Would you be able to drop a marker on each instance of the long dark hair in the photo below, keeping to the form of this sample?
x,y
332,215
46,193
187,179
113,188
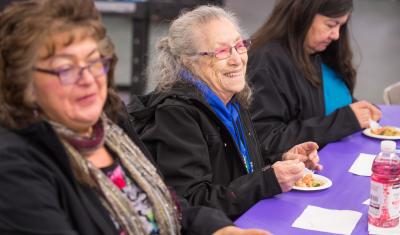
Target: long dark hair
x,y
289,23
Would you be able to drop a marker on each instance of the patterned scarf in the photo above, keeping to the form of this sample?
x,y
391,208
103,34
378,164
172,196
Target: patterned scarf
x,y
141,171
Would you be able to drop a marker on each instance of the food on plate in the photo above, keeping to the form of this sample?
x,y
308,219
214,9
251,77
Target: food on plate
x,y
308,181
386,131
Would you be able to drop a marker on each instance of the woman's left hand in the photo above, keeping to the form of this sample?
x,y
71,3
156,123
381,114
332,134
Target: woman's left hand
x,y
305,152
232,230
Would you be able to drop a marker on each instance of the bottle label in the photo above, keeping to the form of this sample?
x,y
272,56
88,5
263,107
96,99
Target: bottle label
x,y
384,200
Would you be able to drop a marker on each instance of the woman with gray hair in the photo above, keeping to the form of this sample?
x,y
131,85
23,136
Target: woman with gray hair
x,y
196,123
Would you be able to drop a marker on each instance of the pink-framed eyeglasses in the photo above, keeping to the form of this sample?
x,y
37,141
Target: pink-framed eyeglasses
x,y
225,52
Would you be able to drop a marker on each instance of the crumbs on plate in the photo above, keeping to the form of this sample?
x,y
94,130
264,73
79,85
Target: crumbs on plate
x,y
308,181
386,131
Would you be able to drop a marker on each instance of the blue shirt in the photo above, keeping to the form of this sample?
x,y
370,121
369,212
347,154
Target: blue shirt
x,y
336,93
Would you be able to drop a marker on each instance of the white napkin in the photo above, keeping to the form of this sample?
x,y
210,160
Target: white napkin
x,y
362,165
366,202
326,220
384,231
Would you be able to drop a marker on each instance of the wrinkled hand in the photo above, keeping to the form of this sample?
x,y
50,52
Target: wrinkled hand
x,y
288,172
231,230
306,153
365,111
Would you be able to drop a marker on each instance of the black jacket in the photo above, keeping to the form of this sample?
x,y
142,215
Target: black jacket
x,y
39,194
287,108
196,153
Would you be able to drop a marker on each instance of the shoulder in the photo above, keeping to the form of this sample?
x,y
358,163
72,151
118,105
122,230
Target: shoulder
x,y
182,107
270,57
10,141
273,62
270,51
29,144
181,96
22,159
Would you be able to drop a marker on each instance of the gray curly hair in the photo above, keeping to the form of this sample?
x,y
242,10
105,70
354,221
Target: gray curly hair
x,y
180,41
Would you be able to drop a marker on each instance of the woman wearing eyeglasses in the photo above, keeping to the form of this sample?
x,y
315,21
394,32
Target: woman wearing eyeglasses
x,y
196,123
66,167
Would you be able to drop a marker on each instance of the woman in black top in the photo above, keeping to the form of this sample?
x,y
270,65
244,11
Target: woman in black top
x,y
300,67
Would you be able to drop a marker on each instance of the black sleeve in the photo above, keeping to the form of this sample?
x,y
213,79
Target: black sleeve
x,y
29,199
276,107
181,153
200,220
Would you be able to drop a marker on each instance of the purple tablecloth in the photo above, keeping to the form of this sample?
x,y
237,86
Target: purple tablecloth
x,y
347,192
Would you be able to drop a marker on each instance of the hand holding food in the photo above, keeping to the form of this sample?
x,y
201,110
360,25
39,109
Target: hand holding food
x,y
363,110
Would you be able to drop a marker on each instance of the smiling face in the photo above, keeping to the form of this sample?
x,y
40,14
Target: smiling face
x,y
225,77
78,106
322,32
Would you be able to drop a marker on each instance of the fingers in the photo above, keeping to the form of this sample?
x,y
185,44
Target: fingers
x,y
376,113
293,156
319,167
312,162
255,232
364,111
310,146
288,172
300,149
302,152
363,118
232,230
295,166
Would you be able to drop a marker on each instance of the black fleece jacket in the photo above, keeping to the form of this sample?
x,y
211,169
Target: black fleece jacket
x,y
287,109
196,153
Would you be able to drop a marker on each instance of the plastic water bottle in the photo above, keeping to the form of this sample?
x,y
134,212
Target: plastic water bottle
x,y
384,207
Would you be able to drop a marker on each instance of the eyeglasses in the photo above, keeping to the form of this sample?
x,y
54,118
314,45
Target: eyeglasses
x,y
71,75
225,52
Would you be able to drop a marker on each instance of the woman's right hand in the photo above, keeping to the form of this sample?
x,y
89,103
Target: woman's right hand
x,y
232,230
364,111
288,172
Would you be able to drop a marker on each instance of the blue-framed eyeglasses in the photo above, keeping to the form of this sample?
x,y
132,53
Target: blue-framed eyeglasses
x,y
71,75
225,52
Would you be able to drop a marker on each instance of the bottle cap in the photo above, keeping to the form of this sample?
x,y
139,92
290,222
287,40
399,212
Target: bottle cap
x,y
388,146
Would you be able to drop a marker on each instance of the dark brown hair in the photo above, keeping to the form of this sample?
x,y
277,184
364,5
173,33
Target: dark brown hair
x,y
27,25
289,23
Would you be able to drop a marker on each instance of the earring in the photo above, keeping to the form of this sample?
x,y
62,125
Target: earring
x,y
35,113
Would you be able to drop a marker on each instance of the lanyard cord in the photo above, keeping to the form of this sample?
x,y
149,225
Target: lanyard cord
x,y
242,141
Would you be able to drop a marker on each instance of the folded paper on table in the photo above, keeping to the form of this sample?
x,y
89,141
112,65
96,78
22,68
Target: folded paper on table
x,y
362,165
327,220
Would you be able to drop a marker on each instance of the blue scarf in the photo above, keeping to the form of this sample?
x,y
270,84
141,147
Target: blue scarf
x,y
228,114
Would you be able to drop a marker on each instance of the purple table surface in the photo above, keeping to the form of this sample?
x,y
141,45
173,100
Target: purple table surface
x,y
347,192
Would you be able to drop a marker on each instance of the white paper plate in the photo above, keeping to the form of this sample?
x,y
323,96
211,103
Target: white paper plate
x,y
327,184
368,132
